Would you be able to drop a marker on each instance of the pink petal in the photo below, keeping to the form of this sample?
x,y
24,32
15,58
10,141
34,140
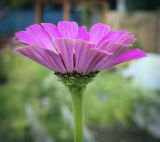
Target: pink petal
x,y
115,42
122,37
103,45
95,58
83,34
79,55
86,56
125,56
57,60
118,37
109,38
68,29
97,32
128,40
111,47
36,35
82,54
45,57
102,61
25,37
66,49
41,37
52,30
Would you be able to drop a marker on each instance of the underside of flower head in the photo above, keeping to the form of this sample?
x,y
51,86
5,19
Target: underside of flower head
x,y
68,49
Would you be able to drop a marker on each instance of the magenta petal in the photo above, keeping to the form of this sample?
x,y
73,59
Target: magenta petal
x,y
115,42
107,56
95,58
45,57
57,61
112,48
68,29
103,45
25,37
66,49
117,37
107,39
87,57
82,54
97,32
83,34
41,37
122,37
52,30
78,55
125,56
128,40
36,35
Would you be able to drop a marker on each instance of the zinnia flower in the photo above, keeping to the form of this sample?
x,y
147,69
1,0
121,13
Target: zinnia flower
x,y
76,55
67,48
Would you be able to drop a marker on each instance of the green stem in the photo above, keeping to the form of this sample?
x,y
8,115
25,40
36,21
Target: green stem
x,y
76,84
77,105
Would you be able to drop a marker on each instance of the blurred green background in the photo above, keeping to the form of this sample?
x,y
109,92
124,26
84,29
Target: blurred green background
x,y
121,105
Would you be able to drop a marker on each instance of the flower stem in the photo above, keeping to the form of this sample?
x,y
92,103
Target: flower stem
x,y
77,105
76,83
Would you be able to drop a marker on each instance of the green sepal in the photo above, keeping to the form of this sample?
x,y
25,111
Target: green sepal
x,y
76,80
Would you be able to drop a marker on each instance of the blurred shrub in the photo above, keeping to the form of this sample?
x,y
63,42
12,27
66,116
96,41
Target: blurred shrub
x,y
109,100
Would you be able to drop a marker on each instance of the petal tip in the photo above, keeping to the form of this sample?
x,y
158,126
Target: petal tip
x,y
141,53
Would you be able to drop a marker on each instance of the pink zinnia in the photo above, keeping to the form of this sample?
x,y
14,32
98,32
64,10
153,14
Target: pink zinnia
x,y
67,48
76,55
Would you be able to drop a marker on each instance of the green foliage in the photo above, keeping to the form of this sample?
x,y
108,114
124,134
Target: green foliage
x,y
109,100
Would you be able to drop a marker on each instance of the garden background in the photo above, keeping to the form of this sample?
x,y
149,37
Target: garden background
x,y
121,105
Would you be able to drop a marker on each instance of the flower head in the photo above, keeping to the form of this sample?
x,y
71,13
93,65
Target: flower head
x,y
67,48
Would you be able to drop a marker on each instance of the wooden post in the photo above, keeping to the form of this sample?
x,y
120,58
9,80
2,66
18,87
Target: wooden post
x,y
66,10
105,10
121,6
38,11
